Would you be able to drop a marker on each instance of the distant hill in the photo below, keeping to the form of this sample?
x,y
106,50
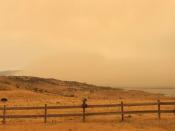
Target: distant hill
x,y
9,72
66,88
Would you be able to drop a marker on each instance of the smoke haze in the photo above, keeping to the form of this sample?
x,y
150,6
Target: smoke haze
x,y
108,42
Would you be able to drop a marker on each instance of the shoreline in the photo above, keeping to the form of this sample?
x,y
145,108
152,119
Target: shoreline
x,y
161,91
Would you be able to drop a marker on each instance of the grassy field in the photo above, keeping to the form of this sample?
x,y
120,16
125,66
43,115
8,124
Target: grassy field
x,y
25,95
135,124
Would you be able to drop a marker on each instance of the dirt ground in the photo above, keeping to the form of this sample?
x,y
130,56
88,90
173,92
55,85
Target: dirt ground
x,y
166,124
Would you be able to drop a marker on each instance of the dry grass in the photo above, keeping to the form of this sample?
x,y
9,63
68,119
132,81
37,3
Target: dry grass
x,y
130,125
25,96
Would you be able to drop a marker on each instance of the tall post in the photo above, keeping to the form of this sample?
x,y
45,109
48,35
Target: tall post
x,y
84,109
158,111
45,113
4,115
122,111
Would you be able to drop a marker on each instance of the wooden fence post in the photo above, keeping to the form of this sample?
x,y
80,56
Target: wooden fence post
x,y
45,113
84,109
158,111
122,111
4,115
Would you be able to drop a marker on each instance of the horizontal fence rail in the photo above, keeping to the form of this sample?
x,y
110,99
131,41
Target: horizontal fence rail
x,y
84,113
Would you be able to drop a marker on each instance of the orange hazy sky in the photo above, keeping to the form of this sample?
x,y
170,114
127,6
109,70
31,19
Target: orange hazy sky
x,y
106,42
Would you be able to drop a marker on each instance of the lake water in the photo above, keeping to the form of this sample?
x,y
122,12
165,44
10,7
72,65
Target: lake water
x,y
166,91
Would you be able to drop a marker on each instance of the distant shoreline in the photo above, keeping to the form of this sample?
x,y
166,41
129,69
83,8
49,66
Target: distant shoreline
x,y
159,90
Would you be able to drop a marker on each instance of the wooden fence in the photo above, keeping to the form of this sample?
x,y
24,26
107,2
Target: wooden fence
x,y
84,114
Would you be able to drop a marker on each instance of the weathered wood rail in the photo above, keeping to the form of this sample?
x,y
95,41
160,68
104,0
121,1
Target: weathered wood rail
x,y
84,106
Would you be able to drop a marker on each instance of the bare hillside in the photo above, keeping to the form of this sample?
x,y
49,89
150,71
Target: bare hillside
x,y
68,88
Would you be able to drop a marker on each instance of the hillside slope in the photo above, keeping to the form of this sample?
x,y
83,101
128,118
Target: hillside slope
x,y
68,88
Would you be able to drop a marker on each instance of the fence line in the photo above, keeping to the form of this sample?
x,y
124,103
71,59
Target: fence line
x,y
84,106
